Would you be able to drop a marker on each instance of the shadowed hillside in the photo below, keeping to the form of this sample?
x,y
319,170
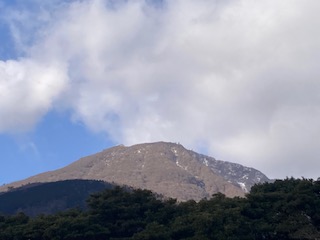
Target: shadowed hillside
x,y
47,198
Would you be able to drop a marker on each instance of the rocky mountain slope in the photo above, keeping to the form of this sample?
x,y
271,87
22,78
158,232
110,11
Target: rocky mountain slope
x,y
165,168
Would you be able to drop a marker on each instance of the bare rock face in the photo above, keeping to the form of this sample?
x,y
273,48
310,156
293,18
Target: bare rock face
x,y
165,168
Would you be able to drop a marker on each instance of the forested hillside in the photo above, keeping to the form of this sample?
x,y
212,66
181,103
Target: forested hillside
x,y
285,209
48,198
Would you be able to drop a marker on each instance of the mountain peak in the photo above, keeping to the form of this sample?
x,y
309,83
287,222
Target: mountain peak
x,y
166,168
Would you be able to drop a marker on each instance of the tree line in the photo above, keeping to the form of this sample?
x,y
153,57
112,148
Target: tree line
x,y
284,209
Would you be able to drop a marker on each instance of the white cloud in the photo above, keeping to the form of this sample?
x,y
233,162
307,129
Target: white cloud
x,y
27,91
239,77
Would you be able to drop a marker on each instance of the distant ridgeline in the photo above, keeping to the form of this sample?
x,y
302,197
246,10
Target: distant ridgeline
x,y
284,209
51,197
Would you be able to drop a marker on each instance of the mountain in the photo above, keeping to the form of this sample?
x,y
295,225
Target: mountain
x,y
165,168
49,198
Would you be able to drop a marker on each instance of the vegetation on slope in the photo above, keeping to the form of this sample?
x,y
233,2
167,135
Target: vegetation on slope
x,y
51,197
285,209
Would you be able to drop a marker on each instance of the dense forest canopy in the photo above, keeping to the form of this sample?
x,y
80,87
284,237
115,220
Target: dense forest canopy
x,y
284,209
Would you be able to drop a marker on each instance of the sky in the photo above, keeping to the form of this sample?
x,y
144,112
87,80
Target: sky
x,y
234,79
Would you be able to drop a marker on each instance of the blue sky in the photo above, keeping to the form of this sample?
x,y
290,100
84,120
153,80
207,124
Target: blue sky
x,y
237,79
52,144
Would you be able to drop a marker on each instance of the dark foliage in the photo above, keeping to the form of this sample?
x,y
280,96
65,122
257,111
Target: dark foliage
x,y
49,197
285,209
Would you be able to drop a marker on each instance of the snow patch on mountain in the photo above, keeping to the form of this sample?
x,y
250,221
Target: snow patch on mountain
x,y
243,187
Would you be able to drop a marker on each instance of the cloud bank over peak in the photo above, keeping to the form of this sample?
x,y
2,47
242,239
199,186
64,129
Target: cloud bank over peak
x,y
238,78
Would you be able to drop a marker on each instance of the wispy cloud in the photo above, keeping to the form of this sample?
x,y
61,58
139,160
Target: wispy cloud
x,y
30,147
239,77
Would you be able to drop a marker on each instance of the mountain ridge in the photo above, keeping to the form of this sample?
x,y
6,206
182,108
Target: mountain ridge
x,y
165,168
